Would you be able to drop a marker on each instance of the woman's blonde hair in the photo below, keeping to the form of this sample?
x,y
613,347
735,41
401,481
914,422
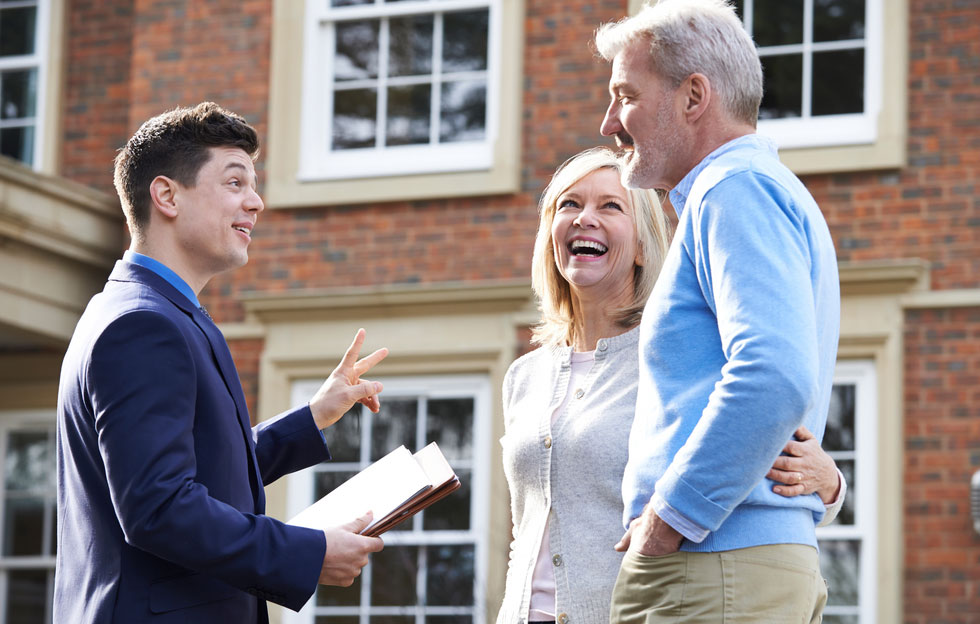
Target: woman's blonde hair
x,y
557,326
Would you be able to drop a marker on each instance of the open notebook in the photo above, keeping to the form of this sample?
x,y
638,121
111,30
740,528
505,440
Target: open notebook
x,y
394,488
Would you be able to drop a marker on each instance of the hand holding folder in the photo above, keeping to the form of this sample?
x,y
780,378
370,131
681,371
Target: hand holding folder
x,y
394,488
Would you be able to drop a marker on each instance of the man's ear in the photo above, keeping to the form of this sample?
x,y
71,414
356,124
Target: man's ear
x,y
163,196
696,90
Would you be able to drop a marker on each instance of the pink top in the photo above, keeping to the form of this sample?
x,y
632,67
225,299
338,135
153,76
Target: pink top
x,y
542,605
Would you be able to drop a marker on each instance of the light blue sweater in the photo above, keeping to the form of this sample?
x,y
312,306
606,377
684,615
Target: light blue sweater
x,y
737,348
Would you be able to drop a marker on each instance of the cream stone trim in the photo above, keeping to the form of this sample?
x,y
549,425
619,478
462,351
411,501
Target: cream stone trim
x,y
872,323
50,117
283,189
61,240
430,330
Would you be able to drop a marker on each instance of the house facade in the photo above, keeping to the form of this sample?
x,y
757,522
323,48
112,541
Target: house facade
x,y
405,144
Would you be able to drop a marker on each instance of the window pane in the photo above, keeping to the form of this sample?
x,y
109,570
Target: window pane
x,y
841,619
342,3
777,22
448,619
846,515
392,619
839,561
29,462
453,512
450,425
357,50
18,90
449,581
464,46
23,524
393,574
410,51
326,482
838,82
17,30
408,114
27,595
330,596
783,81
394,426
18,143
838,19
354,118
839,435
338,619
344,437
463,111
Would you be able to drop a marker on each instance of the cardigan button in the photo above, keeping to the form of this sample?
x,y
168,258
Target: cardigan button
x,y
562,618
547,441
602,345
556,560
579,393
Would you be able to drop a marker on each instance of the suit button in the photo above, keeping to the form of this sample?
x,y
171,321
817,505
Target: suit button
x,y
547,441
556,560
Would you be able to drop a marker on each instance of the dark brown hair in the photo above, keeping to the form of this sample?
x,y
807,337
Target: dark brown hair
x,y
174,144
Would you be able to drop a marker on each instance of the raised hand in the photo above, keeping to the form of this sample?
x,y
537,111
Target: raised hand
x,y
344,387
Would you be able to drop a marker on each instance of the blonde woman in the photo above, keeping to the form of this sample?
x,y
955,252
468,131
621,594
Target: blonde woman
x,y
569,405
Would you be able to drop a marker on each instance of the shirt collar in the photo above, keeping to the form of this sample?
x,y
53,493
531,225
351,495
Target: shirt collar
x,y
678,194
163,271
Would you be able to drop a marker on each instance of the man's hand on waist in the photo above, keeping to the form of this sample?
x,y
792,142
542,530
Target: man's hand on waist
x,y
649,535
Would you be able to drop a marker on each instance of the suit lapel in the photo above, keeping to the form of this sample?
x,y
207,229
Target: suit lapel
x,y
125,271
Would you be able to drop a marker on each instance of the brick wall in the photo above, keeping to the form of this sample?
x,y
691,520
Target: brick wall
x,y
942,451
930,209
95,113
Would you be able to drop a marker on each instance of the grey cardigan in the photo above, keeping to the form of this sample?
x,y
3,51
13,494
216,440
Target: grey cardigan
x,y
576,470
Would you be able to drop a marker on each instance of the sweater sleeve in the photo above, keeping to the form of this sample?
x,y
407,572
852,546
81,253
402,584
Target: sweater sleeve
x,y
751,255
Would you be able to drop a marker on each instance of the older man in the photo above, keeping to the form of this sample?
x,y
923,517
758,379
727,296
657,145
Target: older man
x,y
738,339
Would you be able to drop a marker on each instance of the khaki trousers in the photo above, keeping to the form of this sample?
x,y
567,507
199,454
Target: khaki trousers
x,y
763,584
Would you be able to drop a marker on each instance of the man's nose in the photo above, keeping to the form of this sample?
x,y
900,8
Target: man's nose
x,y
610,123
254,202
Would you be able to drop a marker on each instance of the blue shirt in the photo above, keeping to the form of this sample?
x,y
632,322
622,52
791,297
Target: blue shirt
x,y
163,271
737,349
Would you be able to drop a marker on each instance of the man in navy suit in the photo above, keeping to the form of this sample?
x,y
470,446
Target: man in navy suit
x,y
160,475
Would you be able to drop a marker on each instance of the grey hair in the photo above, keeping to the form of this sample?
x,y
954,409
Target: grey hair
x,y
694,36
558,316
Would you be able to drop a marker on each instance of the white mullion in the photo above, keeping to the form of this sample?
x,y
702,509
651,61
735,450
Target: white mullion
x,y
435,108
421,412
748,10
367,427
807,94
42,34
381,125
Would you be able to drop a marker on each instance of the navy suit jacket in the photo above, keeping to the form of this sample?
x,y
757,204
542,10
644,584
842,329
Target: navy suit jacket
x,y
160,475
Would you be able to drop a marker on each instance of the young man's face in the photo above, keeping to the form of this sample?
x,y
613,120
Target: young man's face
x,y
644,115
216,216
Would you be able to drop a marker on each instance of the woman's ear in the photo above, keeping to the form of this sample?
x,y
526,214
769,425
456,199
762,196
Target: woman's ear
x,y
163,196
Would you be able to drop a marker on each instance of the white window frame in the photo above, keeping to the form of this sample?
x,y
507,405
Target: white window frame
x,y
39,61
27,420
301,484
862,375
829,130
318,162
